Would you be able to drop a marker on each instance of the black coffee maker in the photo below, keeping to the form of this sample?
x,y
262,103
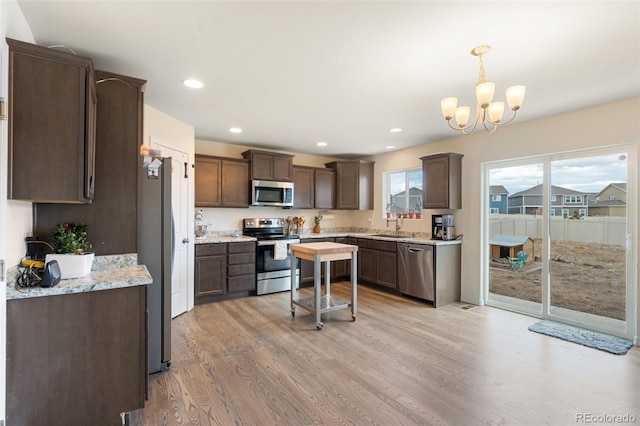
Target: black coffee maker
x,y
442,227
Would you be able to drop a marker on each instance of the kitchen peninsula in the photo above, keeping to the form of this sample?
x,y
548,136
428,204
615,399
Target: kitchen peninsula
x,y
77,352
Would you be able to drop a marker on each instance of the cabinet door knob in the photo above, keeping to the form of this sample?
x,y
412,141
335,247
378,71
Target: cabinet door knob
x,y
185,240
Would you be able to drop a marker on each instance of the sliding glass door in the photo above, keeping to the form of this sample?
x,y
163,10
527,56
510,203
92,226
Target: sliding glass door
x,y
561,246
515,227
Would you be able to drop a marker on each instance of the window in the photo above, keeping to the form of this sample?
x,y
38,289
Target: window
x,y
565,212
402,191
582,212
553,198
612,197
496,198
494,210
573,199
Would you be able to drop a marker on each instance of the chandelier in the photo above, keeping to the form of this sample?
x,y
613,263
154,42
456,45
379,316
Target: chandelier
x,y
487,112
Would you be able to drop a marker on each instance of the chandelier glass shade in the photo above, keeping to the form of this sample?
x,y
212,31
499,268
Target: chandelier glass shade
x,y
488,113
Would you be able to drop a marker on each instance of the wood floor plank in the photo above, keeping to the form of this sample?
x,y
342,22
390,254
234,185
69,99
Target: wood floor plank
x,y
249,362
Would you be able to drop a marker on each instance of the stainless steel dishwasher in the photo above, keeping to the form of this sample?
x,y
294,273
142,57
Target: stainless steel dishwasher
x,y
415,270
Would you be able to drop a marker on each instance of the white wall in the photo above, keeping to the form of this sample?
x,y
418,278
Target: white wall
x,y
15,216
230,219
604,125
180,136
18,213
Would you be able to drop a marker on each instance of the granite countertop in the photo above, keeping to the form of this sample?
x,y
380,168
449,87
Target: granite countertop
x,y
107,279
212,238
370,236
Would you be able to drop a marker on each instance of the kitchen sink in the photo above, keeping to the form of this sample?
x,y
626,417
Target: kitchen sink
x,y
396,237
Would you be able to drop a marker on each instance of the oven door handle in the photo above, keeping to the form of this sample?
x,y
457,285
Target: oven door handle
x,y
273,242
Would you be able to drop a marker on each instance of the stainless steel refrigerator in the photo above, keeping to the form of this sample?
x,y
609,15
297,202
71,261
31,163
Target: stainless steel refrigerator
x,y
155,250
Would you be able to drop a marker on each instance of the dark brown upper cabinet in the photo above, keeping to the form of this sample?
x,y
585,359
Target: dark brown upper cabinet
x,y
442,181
52,125
314,187
221,182
118,165
354,184
266,165
325,184
303,187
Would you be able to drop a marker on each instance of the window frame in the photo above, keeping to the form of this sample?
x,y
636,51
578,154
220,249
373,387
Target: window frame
x,y
386,190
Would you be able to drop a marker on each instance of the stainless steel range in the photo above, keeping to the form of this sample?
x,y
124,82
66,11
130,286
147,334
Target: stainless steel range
x,y
273,254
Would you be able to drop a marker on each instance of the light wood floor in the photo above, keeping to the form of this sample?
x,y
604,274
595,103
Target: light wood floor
x,y
247,361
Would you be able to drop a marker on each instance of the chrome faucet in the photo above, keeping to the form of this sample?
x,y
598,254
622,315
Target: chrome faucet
x,y
398,226
398,222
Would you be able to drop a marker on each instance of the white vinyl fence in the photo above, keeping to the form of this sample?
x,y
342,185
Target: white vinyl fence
x,y
598,230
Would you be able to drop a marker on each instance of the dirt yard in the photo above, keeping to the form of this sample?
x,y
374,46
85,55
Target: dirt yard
x,y
584,277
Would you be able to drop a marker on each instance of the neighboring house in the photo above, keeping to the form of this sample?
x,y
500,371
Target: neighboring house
x,y
611,201
498,196
399,200
564,202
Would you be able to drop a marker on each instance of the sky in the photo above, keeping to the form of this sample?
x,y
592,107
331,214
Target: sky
x,y
589,174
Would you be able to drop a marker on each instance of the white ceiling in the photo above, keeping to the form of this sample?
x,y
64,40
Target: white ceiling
x,y
291,74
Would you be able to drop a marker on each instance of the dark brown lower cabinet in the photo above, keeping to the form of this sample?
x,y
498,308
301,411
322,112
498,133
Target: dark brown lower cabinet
x,y
241,270
222,268
76,359
210,269
377,262
342,268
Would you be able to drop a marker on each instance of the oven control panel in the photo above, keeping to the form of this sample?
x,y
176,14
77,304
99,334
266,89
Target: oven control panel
x,y
260,222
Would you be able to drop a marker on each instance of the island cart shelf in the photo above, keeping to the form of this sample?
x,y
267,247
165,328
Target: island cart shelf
x,y
318,253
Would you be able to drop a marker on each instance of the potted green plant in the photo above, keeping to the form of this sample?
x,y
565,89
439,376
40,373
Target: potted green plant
x,y
71,250
316,222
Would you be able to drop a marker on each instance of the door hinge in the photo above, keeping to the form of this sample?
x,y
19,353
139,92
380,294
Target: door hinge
x,y
3,278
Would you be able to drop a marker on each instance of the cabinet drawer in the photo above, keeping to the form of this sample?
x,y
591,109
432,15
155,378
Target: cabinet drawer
x,y
234,270
210,249
240,258
249,246
377,244
242,283
383,245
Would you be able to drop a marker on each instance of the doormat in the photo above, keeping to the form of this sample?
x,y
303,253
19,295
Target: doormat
x,y
592,339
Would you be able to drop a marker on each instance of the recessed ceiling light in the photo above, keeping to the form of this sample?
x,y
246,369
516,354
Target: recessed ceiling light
x,y
395,130
321,144
235,130
389,147
193,83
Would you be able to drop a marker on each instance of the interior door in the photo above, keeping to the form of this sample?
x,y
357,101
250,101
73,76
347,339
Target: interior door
x,y
180,208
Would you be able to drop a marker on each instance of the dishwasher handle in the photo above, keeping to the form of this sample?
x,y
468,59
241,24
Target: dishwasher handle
x,y
414,250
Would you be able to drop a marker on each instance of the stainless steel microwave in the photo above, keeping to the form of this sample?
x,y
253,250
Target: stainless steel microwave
x,y
271,193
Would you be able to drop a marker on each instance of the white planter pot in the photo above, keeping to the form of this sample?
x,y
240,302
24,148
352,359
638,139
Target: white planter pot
x,y
72,265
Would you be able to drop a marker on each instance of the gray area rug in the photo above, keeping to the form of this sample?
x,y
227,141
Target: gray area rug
x,y
592,339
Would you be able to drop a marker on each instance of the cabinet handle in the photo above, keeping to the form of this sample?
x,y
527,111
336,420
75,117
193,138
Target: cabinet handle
x,y
186,173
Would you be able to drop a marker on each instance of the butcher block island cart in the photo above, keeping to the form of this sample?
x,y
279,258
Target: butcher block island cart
x,y
318,253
